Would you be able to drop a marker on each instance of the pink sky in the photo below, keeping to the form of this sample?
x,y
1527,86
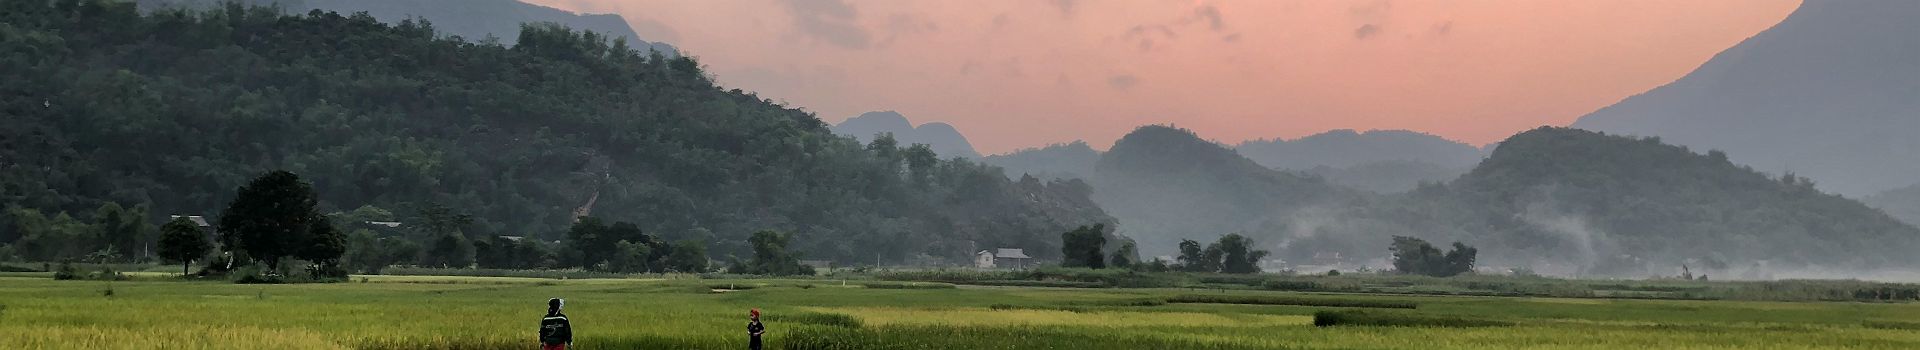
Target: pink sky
x,y
1022,73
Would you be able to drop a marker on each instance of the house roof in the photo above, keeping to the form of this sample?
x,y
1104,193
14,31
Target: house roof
x,y
1011,253
196,219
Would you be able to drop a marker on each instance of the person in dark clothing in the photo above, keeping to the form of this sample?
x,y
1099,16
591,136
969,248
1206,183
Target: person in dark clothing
x,y
555,332
754,329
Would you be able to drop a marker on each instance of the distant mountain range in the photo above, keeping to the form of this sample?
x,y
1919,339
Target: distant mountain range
x,y
1057,161
1379,161
944,139
1903,203
1557,200
1831,93
474,20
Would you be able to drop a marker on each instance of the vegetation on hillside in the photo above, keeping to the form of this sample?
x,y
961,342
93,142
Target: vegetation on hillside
x,y
173,110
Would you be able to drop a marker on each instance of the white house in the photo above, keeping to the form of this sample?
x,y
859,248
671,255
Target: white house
x,y
1009,257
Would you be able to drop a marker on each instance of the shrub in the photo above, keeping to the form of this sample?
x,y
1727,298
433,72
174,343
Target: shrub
x,y
1367,318
1284,300
66,272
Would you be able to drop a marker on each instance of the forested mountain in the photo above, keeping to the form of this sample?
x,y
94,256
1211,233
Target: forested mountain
x,y
1903,203
1619,205
1377,160
1057,161
942,137
1556,200
177,109
474,20
1164,184
1827,93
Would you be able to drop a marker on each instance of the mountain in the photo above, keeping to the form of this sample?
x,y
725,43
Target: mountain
x,y
1827,93
1165,184
1348,148
1057,161
1378,160
174,110
1619,205
474,20
944,139
1903,203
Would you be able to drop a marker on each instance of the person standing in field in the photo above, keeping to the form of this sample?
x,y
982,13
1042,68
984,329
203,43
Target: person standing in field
x,y
754,329
555,332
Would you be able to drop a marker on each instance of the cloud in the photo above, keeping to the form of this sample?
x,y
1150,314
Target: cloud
x,y
901,24
1365,31
1122,82
1210,15
1065,7
831,21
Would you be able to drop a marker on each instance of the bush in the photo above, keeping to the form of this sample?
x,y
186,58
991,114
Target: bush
x,y
66,272
1284,300
1366,318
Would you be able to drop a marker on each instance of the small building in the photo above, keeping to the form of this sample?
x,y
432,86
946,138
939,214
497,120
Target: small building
x,y
1003,257
205,227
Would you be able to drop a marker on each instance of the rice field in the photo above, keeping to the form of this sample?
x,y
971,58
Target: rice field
x,y
416,312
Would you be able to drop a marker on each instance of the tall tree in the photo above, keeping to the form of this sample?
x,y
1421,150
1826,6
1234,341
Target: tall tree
x,y
271,217
182,241
1237,254
1082,247
771,257
1127,255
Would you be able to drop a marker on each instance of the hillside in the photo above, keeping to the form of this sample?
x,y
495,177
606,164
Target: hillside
x,y
1827,93
1903,203
1618,205
942,137
175,110
1165,184
1057,161
474,20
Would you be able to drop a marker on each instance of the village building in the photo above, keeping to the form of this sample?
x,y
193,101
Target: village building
x,y
1001,258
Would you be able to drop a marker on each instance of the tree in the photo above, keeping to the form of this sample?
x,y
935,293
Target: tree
x,y
1126,255
1237,254
1082,247
1194,258
122,232
770,255
1416,256
324,244
688,256
449,250
182,241
271,217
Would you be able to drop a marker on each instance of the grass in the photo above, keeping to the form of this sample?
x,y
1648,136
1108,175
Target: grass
x,y
441,312
1289,300
1375,318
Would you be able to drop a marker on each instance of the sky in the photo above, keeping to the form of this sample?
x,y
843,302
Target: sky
x,y
1012,74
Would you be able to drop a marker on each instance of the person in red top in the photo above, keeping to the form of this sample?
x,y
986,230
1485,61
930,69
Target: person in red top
x,y
754,329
